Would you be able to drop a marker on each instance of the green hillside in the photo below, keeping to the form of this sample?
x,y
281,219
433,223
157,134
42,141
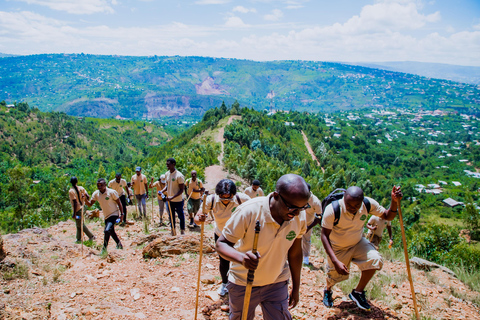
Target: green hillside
x,y
185,87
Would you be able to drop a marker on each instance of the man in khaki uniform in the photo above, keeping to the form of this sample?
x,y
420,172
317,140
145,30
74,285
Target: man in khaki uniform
x,y
120,185
77,197
140,187
375,226
194,190
112,211
175,185
279,257
160,185
344,242
314,210
254,190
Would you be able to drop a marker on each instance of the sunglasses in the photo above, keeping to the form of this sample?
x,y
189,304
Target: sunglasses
x,y
293,208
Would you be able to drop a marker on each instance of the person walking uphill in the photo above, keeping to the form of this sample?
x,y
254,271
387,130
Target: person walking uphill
x,y
160,185
254,190
140,187
313,211
112,210
77,196
282,223
175,184
193,191
223,203
344,242
118,184
375,226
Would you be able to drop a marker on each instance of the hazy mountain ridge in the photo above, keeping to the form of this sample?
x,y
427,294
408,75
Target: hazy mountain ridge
x,y
153,87
465,74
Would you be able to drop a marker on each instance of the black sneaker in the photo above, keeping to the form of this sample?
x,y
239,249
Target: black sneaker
x,y
360,300
119,245
327,298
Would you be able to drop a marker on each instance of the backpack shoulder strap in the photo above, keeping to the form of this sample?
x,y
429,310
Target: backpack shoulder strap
x,y
238,200
336,211
213,202
367,204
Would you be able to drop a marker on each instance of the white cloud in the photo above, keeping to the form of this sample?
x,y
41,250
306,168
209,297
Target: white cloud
x,y
243,9
235,22
76,6
203,2
294,6
476,27
274,16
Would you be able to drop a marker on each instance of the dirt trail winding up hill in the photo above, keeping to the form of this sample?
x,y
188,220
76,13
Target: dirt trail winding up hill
x,y
309,148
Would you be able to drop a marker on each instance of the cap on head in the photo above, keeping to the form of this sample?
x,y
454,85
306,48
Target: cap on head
x,y
138,169
162,176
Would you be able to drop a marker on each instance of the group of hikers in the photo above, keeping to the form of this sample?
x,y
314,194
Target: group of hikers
x,y
279,226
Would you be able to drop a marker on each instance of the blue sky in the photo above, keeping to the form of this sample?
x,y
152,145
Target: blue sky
x,y
441,31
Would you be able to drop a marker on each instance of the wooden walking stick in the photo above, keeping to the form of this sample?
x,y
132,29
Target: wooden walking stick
x,y
250,276
81,227
407,261
172,222
153,195
201,253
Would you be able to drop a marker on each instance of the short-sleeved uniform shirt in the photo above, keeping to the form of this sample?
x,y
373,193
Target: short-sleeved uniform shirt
x,y
315,208
349,230
174,180
159,185
380,223
274,241
107,202
253,194
223,212
72,194
138,183
118,186
197,184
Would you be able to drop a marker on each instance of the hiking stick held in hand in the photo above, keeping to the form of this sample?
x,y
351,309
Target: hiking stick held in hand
x,y
172,222
81,226
153,195
407,261
200,254
250,276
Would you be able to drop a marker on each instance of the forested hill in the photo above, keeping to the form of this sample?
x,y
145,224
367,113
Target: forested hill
x,y
39,151
155,87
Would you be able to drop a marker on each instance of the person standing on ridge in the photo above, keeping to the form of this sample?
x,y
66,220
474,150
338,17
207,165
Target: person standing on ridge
x,y
282,223
120,185
112,211
140,187
344,242
78,195
254,190
160,185
175,185
194,190
313,211
223,203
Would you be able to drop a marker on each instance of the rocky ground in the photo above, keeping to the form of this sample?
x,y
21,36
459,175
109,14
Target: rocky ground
x,y
48,278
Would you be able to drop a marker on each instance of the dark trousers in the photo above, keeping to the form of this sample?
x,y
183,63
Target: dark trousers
x,y
178,208
110,230
224,265
123,200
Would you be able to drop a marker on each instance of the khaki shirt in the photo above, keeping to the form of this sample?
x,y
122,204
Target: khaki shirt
x,y
107,202
138,183
253,194
118,186
223,212
274,241
174,180
72,194
349,230
315,208
159,185
380,223
197,184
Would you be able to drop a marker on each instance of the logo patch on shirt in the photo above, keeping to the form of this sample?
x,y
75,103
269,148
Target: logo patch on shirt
x,y
107,198
291,235
173,179
363,217
233,209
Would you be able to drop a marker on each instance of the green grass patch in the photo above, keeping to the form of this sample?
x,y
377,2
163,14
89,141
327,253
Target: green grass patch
x,y
18,271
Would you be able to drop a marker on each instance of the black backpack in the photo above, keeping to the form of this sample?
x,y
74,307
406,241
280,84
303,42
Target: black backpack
x,y
333,198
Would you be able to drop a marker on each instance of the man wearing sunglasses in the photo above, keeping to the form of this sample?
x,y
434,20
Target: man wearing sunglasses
x,y
282,224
